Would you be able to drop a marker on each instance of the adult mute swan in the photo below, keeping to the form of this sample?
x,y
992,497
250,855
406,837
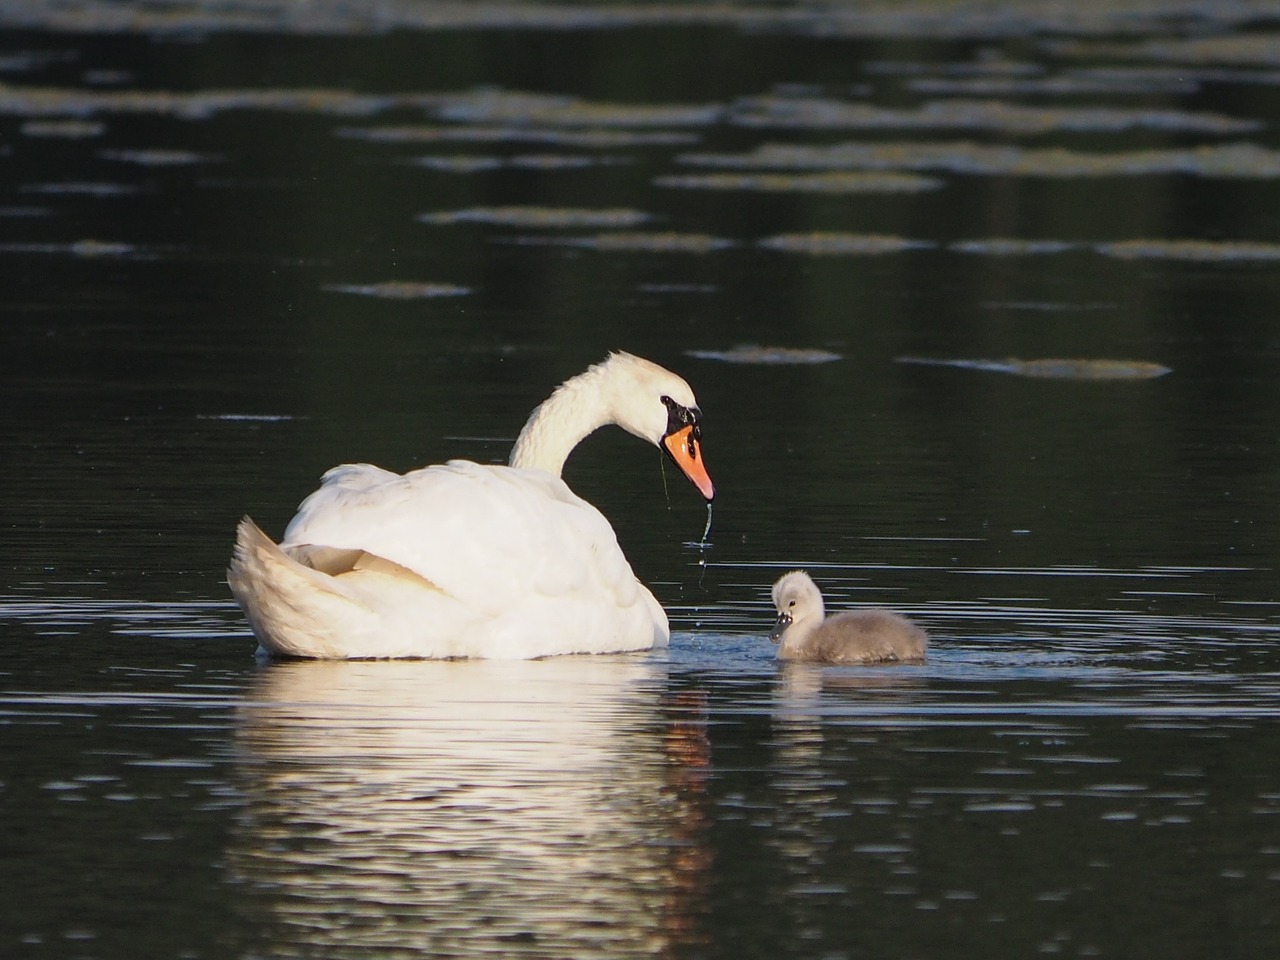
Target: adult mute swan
x,y
470,560
856,636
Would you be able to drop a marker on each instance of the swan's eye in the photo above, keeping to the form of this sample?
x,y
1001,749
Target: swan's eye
x,y
679,415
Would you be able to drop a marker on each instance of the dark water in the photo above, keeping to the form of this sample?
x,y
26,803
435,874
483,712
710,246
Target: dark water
x,y
246,243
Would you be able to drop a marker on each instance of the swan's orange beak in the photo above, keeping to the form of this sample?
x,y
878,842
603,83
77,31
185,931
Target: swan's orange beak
x,y
684,447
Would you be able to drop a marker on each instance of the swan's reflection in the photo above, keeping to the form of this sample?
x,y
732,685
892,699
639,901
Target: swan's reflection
x,y
548,808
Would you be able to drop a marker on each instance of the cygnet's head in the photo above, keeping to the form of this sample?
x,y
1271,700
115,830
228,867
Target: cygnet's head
x,y
798,602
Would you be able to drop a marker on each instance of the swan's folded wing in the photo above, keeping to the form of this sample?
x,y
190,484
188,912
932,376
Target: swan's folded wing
x,y
490,536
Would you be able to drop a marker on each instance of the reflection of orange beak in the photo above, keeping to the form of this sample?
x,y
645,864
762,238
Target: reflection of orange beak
x,y
683,447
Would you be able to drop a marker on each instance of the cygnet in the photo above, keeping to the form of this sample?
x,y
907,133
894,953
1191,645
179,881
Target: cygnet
x,y
855,636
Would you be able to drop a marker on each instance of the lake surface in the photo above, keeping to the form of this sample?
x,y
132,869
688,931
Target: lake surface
x,y
981,311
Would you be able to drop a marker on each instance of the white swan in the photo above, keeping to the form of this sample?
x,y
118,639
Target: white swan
x,y
469,560
855,636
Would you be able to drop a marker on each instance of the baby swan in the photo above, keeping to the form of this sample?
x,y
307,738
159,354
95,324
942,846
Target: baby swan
x,y
856,636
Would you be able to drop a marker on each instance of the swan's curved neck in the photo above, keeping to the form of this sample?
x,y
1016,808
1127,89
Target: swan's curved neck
x,y
576,408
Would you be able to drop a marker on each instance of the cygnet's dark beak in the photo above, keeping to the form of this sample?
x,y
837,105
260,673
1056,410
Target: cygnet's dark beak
x,y
780,627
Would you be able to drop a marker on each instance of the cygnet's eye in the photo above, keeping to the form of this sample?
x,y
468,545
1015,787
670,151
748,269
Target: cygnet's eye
x,y
791,604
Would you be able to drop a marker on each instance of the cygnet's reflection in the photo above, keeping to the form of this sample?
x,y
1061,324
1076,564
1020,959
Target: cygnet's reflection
x,y
538,807
827,723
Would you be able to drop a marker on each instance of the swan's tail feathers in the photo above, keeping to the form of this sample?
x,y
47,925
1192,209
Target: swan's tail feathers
x,y
294,610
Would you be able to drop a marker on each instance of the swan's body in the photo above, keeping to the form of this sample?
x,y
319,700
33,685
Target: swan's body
x,y
469,560
803,632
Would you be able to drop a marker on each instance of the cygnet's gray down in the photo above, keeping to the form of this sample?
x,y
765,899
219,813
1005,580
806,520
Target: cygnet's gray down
x,y
856,636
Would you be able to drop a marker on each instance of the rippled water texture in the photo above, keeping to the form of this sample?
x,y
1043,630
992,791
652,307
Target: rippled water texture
x,y
979,303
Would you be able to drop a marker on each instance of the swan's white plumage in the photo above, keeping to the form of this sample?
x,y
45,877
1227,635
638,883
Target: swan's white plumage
x,y
455,560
